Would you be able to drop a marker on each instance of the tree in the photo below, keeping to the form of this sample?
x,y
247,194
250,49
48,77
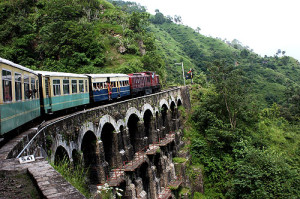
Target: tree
x,y
159,18
138,21
278,52
169,19
177,19
230,83
263,174
244,53
198,29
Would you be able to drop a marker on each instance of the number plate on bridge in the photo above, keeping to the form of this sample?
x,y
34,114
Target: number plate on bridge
x,y
26,159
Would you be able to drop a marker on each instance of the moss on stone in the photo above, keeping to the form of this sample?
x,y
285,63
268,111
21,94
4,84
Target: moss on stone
x,y
179,160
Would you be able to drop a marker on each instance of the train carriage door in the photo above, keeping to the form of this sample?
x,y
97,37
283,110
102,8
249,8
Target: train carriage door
x,y
118,88
48,100
109,89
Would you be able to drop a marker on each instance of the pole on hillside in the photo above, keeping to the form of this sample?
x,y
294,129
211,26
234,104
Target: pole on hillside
x,y
191,75
182,71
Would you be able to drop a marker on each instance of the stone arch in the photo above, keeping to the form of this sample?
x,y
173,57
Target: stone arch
x,y
172,99
106,119
164,110
179,100
148,126
156,115
86,127
61,154
121,127
59,141
147,107
172,105
162,102
132,110
120,124
134,128
88,148
110,144
173,110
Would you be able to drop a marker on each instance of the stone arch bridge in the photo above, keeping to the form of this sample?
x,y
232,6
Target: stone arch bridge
x,y
129,144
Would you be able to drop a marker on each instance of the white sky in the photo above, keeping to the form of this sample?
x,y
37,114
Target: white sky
x,y
263,25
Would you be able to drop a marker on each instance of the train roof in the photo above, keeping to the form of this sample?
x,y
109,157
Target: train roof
x,y
60,74
145,73
5,61
107,75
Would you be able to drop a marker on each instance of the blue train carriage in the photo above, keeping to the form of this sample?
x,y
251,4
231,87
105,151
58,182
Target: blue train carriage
x,y
19,99
109,86
62,90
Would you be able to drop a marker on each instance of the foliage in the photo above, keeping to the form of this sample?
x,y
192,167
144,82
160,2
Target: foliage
x,y
257,159
263,174
89,36
179,160
229,83
76,175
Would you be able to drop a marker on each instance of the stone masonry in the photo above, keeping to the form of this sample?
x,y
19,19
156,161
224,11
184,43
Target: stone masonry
x,y
128,144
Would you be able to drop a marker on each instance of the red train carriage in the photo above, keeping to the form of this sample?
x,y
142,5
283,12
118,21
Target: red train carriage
x,y
144,83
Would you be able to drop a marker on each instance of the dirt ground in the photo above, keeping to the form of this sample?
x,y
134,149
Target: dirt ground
x,y
17,185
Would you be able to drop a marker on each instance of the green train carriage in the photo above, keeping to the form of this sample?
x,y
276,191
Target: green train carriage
x,y
62,90
19,99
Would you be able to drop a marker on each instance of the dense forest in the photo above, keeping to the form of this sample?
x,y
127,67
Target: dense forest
x,y
243,130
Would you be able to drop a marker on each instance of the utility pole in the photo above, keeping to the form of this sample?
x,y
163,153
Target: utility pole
x,y
191,75
182,71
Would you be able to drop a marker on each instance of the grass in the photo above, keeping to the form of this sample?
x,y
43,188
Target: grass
x,y
179,160
76,176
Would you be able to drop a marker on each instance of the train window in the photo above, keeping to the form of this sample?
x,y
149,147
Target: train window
x,y
74,86
26,87
86,86
47,87
56,87
18,86
94,86
6,85
81,86
66,86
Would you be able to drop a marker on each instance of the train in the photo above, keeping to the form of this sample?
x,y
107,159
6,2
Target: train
x,y
28,94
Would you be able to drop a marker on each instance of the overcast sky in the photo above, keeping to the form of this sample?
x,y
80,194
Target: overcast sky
x,y
263,25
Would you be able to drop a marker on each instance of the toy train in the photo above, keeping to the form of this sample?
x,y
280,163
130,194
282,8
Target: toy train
x,y
27,94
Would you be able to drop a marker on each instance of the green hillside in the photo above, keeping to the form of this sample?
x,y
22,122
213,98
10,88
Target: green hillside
x,y
270,77
76,36
98,36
